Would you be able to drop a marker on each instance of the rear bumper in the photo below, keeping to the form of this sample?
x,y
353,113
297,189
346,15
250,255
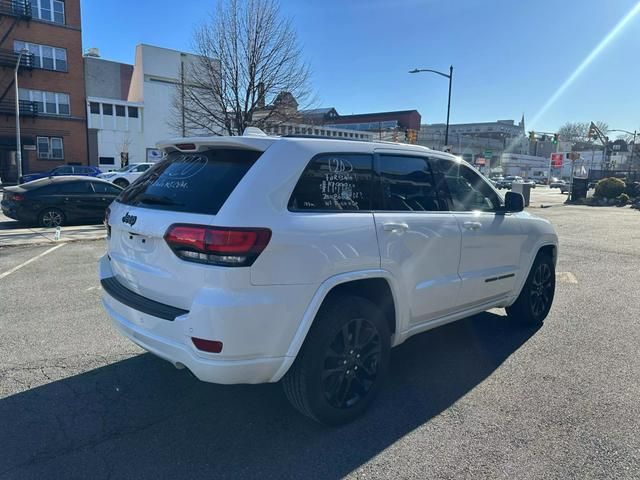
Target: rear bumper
x,y
259,370
255,338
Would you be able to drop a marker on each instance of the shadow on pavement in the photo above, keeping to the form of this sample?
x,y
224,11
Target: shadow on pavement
x,y
141,418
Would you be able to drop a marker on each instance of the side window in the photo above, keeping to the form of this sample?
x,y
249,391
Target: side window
x,y
466,188
76,187
106,188
141,168
63,170
407,184
336,181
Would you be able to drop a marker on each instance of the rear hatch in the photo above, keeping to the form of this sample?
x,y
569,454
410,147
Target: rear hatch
x,y
174,203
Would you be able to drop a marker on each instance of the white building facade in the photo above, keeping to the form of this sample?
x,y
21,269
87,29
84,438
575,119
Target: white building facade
x,y
130,108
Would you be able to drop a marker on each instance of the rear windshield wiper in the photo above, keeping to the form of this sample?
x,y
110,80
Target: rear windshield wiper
x,y
157,200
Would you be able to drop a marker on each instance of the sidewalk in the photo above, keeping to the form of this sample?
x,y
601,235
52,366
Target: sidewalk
x,y
10,237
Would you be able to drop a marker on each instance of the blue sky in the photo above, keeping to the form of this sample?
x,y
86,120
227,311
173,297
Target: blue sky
x,y
509,56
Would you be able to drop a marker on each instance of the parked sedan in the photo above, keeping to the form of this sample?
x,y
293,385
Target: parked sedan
x,y
124,176
63,170
51,202
556,183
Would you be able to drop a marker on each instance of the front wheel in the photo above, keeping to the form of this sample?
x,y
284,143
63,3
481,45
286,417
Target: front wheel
x,y
342,363
51,217
535,299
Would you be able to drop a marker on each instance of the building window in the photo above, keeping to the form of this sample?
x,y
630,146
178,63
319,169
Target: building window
x,y
51,103
119,110
50,148
107,109
107,160
44,56
133,112
49,10
94,107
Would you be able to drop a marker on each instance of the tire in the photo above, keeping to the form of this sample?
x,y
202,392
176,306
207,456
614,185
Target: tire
x,y
353,372
51,217
121,182
534,302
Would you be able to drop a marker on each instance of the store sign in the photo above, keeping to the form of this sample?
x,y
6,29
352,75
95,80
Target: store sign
x,y
556,160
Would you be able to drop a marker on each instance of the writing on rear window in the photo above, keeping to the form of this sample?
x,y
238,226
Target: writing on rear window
x,y
191,182
334,182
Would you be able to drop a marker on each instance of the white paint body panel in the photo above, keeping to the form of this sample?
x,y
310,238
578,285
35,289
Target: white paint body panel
x,y
263,313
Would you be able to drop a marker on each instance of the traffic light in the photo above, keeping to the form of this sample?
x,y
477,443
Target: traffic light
x,y
532,136
555,139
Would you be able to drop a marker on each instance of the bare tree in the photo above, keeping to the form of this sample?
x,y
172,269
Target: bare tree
x,y
249,72
123,146
579,131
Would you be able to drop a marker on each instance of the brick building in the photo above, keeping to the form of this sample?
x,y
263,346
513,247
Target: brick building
x,y
51,85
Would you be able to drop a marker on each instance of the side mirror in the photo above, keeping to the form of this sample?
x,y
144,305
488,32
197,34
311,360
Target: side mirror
x,y
513,202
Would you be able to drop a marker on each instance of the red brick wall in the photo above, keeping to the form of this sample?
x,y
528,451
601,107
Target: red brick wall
x,y
73,130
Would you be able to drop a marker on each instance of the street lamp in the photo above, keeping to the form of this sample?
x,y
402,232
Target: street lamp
x,y
18,143
450,77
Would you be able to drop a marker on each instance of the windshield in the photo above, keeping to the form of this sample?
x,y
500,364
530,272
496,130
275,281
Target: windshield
x,y
191,182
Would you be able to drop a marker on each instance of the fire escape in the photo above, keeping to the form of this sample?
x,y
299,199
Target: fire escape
x,y
12,12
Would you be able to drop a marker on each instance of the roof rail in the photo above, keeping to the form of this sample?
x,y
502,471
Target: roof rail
x,y
325,137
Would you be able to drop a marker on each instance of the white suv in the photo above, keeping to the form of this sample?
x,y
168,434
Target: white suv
x,y
255,259
125,176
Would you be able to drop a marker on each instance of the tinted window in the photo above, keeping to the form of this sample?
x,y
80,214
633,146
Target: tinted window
x,y
104,187
466,188
75,187
335,182
191,182
407,184
46,190
63,170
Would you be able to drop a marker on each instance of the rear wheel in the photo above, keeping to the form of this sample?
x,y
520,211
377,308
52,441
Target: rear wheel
x,y
51,217
535,299
342,363
121,182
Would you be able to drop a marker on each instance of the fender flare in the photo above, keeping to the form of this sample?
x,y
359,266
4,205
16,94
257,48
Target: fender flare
x,y
541,244
316,302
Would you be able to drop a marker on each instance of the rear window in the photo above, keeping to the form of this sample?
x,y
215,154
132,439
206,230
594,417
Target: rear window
x,y
191,182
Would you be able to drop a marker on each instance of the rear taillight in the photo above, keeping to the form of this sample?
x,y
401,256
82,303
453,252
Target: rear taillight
x,y
224,246
16,197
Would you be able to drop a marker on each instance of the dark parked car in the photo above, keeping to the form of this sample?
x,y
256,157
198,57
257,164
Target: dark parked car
x,y
50,202
62,171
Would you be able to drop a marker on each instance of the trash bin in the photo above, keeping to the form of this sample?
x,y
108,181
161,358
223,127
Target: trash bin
x,y
524,189
579,188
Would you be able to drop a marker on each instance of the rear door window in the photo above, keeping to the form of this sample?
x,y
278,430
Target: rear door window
x,y
75,188
336,181
191,182
103,187
407,184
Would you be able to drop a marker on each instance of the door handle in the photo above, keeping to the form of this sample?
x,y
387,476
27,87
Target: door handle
x,y
472,225
395,227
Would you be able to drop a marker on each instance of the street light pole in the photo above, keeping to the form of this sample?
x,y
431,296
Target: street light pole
x,y
450,77
18,142
446,133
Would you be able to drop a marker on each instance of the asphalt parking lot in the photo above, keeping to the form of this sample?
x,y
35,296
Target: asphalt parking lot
x,y
480,398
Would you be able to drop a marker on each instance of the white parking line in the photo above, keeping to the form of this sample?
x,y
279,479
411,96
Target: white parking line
x,y
566,277
18,267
